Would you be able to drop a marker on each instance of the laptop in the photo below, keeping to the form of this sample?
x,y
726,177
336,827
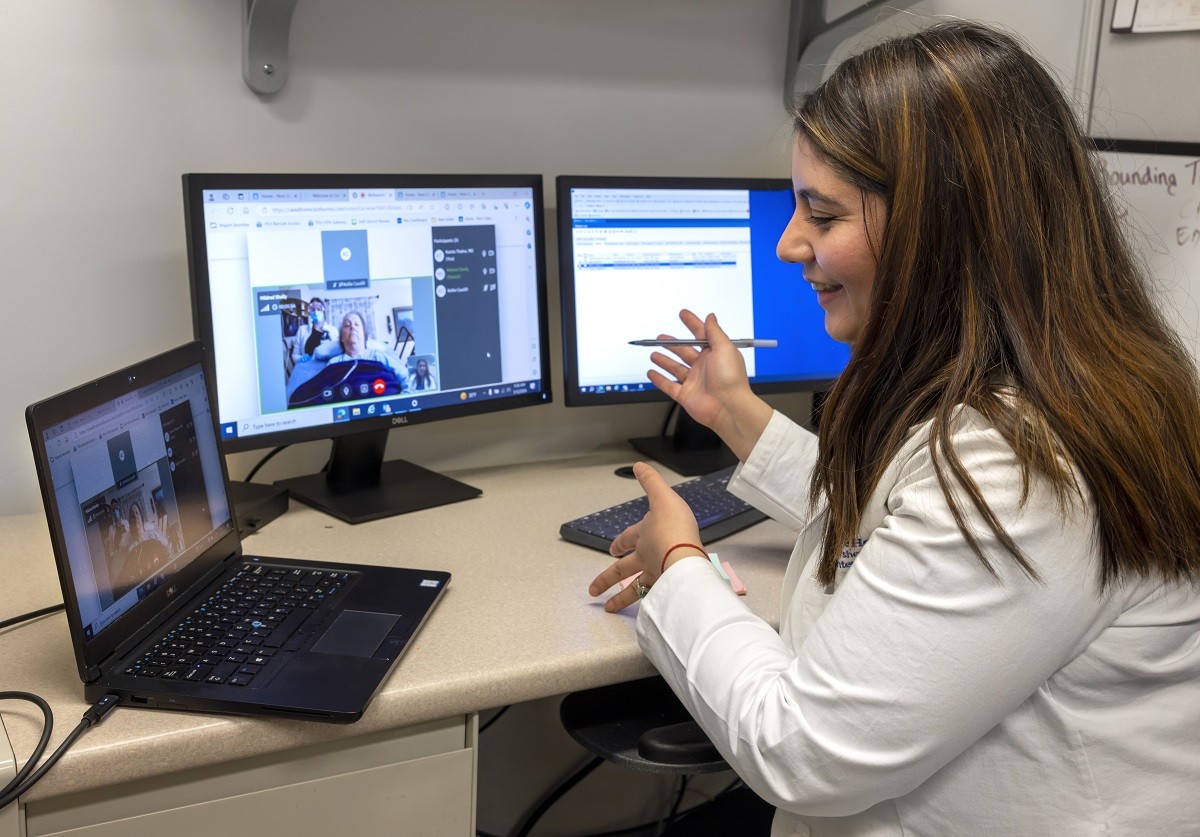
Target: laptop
x,y
165,609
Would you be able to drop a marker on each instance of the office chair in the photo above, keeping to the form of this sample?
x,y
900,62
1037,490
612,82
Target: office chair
x,y
640,725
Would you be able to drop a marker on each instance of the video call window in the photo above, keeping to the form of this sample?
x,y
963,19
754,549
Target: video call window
x,y
133,532
144,476
325,300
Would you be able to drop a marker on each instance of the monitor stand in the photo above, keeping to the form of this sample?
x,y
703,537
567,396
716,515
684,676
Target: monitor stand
x,y
691,450
358,485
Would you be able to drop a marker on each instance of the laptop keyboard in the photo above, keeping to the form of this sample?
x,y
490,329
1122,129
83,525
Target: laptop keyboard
x,y
717,512
238,630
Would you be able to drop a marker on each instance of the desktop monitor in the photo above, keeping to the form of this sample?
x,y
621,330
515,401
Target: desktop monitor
x,y
633,251
342,306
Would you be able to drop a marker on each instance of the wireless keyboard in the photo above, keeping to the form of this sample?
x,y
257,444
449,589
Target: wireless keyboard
x,y
717,511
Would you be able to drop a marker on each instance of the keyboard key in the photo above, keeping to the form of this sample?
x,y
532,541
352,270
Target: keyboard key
x,y
286,628
221,672
197,675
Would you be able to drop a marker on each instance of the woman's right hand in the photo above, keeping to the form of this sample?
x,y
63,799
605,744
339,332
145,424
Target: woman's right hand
x,y
711,384
643,548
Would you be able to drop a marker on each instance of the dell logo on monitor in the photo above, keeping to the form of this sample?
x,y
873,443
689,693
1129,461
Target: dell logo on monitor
x,y
399,419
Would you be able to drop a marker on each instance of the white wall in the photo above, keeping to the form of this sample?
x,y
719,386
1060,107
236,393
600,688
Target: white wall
x,y
106,102
1146,85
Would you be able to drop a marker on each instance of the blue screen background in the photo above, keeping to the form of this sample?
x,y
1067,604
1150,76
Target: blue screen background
x,y
785,307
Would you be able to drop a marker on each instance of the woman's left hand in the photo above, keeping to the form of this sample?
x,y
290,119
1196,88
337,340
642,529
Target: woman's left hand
x,y
642,546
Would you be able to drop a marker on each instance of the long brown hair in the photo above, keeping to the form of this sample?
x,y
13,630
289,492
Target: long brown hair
x,y
1004,284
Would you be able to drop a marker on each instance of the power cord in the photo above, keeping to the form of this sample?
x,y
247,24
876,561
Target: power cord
x,y
27,777
494,718
669,818
263,462
33,614
556,794
667,421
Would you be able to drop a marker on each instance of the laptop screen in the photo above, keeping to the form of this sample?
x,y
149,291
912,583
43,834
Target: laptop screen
x,y
139,491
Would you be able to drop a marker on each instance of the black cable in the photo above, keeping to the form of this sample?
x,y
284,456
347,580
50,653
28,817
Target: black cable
x,y
23,781
667,421
638,829
23,788
731,786
494,718
263,462
670,818
557,794
623,832
47,728
33,614
575,779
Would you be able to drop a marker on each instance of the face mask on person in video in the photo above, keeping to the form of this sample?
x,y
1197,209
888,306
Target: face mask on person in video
x,y
316,317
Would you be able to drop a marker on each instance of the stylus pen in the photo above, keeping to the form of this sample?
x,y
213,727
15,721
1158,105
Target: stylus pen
x,y
741,343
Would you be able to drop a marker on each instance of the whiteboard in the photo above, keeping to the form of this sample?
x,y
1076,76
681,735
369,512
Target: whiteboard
x,y
1157,186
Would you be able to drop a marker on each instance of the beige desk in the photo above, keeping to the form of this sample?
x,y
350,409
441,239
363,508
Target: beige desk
x,y
516,624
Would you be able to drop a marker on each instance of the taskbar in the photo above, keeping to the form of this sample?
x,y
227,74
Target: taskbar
x,y
638,386
395,405
411,402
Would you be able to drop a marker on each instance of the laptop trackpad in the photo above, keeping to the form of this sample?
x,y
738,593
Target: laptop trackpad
x,y
356,632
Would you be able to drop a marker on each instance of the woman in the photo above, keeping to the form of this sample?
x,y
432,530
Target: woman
x,y
355,345
144,546
990,617
141,529
315,338
421,378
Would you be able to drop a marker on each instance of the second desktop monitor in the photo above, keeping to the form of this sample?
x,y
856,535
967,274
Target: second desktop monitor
x,y
633,251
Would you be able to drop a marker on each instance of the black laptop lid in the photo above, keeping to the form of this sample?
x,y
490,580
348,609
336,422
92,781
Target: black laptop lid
x,y
136,497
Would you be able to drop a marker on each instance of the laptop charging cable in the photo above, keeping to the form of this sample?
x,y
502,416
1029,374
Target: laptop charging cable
x,y
27,776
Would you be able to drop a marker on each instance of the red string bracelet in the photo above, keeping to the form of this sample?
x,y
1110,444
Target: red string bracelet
x,y
663,567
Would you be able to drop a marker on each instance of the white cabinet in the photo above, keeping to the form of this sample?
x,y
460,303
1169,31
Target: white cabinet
x,y
413,781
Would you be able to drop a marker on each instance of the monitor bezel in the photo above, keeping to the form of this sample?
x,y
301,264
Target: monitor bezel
x,y
573,397
194,185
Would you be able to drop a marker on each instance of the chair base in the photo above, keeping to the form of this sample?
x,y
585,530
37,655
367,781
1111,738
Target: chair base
x,y
640,725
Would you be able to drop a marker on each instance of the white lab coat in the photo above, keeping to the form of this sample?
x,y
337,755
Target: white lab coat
x,y
922,695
